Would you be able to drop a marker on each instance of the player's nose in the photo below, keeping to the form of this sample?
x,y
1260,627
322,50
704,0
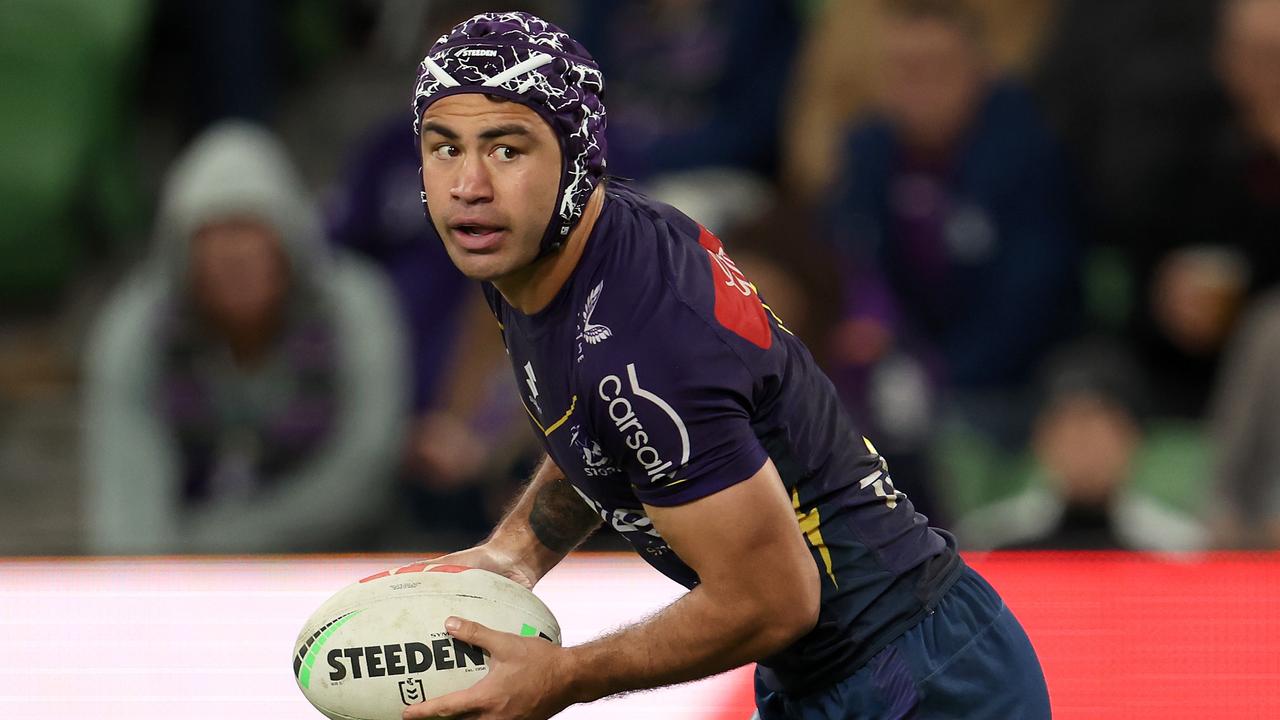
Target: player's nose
x,y
472,184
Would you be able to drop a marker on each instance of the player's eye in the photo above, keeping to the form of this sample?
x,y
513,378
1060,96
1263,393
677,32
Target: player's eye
x,y
506,153
444,152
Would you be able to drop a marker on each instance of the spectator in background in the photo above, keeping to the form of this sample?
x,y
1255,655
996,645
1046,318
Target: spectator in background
x,y
376,211
1086,441
1249,60
1174,117
1244,423
1223,251
695,92
834,80
956,220
464,451
1174,125
1246,413
245,390
467,433
1245,503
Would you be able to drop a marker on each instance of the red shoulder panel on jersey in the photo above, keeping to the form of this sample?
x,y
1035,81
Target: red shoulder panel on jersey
x,y
738,307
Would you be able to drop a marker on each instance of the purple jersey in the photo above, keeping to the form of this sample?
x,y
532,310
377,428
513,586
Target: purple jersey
x,y
658,376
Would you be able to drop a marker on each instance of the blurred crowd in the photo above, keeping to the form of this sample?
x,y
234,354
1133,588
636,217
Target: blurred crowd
x,y
1027,240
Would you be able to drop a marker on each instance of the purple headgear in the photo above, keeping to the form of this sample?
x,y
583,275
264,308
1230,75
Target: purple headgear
x,y
530,61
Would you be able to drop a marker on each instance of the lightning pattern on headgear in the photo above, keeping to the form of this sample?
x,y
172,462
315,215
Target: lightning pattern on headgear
x,y
528,60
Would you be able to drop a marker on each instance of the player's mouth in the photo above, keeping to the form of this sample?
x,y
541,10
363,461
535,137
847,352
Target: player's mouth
x,y
477,236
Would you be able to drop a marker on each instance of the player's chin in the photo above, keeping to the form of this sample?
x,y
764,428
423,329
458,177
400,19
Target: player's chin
x,y
491,264
483,267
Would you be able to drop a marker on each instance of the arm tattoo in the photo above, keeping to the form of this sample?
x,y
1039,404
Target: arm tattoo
x,y
559,518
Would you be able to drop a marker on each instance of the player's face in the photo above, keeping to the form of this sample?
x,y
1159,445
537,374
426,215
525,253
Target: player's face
x,y
491,170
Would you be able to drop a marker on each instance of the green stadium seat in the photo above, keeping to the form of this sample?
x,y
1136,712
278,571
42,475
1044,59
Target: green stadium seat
x,y
66,69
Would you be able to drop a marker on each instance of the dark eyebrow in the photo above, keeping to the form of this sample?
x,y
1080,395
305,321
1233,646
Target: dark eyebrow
x,y
503,130
430,126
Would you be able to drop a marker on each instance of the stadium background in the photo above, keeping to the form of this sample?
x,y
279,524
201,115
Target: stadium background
x,y
1097,408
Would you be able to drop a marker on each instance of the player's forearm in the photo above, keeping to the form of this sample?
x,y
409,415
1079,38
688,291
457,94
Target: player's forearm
x,y
548,521
701,634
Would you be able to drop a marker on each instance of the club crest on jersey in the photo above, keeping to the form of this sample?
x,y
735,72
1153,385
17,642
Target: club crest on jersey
x,y
592,333
594,462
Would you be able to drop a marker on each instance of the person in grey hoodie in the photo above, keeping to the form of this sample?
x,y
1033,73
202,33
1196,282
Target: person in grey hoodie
x,y
246,387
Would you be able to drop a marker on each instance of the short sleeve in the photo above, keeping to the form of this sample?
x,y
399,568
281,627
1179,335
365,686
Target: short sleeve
x,y
672,408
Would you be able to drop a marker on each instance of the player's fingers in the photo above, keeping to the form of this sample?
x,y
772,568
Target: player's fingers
x,y
473,633
454,706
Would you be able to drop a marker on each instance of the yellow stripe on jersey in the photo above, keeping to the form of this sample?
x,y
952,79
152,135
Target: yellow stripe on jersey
x,y
810,523
765,305
555,425
884,464
776,318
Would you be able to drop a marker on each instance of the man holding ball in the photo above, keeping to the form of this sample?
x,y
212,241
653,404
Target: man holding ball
x,y
676,408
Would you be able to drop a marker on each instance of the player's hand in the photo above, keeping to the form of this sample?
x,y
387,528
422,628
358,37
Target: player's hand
x,y
524,680
487,556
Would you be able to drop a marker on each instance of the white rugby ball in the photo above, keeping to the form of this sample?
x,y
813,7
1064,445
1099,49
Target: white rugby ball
x,y
379,644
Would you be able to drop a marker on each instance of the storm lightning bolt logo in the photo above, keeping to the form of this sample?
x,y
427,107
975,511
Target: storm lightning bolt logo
x,y
532,380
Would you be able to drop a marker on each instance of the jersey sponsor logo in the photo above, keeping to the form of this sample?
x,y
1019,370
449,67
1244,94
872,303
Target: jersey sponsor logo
x,y
623,400
624,520
737,304
589,332
482,52
594,462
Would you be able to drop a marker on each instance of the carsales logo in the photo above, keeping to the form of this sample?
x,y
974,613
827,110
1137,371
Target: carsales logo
x,y
622,411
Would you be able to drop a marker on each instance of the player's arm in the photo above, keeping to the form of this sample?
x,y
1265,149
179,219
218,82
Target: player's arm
x,y
547,521
759,592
